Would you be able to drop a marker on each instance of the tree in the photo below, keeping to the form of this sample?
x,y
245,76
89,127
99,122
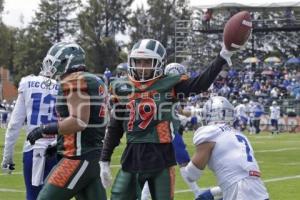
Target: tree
x,y
99,22
7,42
30,48
158,22
56,18
53,21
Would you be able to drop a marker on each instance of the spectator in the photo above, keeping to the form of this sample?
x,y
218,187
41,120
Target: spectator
x,y
206,18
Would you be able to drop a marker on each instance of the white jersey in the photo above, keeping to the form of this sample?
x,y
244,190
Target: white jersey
x,y
232,158
36,104
241,111
275,112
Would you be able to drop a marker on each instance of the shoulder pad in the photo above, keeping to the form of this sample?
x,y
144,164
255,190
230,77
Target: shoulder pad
x,y
23,83
206,134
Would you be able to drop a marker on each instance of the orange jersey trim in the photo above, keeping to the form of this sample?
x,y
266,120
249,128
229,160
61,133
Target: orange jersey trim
x,y
142,85
69,145
142,95
164,132
63,172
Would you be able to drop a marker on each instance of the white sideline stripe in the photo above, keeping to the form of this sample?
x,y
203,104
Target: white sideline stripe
x,y
78,175
291,163
13,173
277,150
186,190
11,190
266,181
281,178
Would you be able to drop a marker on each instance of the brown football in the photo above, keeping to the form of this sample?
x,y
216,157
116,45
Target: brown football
x,y
237,30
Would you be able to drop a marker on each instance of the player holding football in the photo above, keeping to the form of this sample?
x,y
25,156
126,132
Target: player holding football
x,y
35,102
227,152
80,128
143,110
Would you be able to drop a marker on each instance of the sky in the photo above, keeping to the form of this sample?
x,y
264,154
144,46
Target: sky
x,y
15,10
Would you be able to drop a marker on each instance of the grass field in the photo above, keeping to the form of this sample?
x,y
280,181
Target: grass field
x,y
278,157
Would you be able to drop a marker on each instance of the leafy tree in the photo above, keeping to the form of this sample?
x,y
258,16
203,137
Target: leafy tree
x,y
56,19
99,22
53,21
1,6
7,42
30,48
158,22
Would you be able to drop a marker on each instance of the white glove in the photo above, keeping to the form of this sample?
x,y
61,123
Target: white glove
x,y
7,165
105,174
226,54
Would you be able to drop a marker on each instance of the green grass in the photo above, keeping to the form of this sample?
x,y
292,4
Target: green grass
x,y
278,157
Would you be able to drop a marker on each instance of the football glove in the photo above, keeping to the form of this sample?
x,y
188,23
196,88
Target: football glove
x,y
206,195
46,131
105,174
226,54
7,167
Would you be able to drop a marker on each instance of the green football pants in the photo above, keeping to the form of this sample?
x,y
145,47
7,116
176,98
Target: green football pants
x,y
74,178
128,186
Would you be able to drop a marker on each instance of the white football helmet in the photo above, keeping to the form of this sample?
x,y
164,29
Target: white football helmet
x,y
147,49
217,110
175,68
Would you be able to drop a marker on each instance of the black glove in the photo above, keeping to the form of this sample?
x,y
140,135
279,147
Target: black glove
x,y
206,195
51,151
42,131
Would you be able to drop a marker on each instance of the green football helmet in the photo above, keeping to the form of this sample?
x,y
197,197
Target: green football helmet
x,y
61,57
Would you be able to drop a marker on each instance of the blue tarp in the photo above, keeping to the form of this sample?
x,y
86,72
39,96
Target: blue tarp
x,y
293,61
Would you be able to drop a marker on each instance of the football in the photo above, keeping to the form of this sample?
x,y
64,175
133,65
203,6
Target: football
x,y
237,30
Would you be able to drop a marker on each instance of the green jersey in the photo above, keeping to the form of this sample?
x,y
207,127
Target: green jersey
x,y
149,108
90,139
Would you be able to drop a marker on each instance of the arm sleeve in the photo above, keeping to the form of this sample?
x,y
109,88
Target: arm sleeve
x,y
203,81
15,124
113,136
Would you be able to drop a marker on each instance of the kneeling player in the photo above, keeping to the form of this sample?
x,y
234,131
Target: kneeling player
x,y
228,154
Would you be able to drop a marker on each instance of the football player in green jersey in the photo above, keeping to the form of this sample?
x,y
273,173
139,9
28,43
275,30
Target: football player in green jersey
x,y
143,108
80,128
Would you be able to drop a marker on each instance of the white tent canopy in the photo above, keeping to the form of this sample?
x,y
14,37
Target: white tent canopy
x,y
244,4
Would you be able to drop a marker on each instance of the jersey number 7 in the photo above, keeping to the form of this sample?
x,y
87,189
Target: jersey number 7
x,y
243,140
